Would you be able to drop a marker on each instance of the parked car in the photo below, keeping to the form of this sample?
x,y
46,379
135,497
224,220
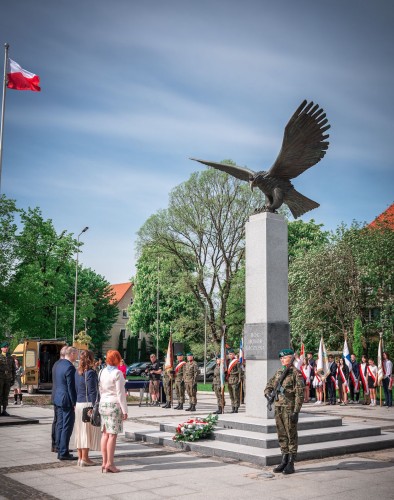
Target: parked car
x,y
132,367
209,371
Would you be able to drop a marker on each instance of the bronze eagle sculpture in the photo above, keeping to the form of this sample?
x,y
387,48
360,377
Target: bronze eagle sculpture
x,y
304,144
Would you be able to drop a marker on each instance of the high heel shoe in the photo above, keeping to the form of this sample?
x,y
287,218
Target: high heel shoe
x,y
82,463
112,469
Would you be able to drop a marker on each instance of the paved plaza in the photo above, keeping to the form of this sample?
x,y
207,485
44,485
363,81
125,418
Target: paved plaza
x,y
28,469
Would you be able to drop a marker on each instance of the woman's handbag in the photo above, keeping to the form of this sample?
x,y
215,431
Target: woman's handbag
x,y
87,414
95,419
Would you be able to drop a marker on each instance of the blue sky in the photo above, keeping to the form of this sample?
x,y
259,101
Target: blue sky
x,y
132,89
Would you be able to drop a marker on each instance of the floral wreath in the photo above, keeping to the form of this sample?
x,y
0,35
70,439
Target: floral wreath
x,y
195,428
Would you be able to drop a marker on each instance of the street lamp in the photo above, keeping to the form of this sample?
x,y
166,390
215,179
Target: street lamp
x,y
76,283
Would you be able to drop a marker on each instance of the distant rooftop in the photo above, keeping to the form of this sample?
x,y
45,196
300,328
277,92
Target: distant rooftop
x,y
385,218
120,289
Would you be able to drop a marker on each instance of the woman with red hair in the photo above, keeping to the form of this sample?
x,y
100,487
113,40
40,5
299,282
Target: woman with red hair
x,y
113,408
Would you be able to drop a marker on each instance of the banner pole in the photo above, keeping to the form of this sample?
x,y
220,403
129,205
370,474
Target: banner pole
x,y
6,47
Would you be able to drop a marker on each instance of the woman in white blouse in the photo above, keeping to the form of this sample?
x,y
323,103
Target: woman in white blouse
x,y
113,408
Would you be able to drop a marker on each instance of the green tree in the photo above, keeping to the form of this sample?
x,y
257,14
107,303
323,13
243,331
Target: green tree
x,y
8,229
39,293
333,285
358,348
203,231
160,287
305,236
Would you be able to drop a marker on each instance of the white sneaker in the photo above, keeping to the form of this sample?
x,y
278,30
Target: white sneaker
x,y
21,403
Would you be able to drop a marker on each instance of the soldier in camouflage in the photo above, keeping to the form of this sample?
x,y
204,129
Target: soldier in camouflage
x,y
191,373
168,376
179,380
7,377
287,407
217,387
234,380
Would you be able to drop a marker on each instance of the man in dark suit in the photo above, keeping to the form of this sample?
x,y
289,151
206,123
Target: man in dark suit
x,y
54,439
64,399
330,381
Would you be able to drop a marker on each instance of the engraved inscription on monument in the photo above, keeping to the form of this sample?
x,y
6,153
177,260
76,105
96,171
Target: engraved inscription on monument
x,y
254,344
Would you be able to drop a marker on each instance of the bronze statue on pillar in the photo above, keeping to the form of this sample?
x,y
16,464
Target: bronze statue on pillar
x,y
304,144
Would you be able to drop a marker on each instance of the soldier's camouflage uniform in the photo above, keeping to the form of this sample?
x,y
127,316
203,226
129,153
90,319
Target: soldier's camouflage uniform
x,y
190,377
167,378
7,378
217,387
289,402
234,385
180,384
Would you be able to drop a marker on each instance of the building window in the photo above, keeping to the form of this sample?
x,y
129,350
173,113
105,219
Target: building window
x,y
131,301
123,332
125,314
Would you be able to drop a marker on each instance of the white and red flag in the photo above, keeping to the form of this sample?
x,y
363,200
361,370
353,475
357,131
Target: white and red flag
x,y
381,370
21,79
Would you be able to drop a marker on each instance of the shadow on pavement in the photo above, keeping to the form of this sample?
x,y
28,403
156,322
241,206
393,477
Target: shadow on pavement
x,y
354,465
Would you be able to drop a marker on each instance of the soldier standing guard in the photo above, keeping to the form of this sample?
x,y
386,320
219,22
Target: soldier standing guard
x,y
179,381
234,380
168,376
290,396
217,387
7,377
191,373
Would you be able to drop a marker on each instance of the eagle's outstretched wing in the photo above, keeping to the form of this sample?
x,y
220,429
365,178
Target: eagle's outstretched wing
x,y
242,173
304,143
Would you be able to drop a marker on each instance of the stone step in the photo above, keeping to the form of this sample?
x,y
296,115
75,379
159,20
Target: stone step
x,y
306,436
306,421
263,456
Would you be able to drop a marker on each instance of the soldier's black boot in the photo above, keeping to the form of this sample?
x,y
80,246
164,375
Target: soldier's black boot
x,y
179,407
289,469
218,411
281,467
193,408
232,409
236,409
190,408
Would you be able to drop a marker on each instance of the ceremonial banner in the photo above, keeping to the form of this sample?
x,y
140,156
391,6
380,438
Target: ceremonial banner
x,y
222,365
322,362
348,361
241,351
169,364
381,371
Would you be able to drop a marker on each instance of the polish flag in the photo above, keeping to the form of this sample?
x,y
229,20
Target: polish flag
x,y
21,79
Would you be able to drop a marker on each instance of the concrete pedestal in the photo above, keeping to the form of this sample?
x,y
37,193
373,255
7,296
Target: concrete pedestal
x,y
267,323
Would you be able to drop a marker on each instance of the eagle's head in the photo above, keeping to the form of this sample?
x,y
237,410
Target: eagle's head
x,y
256,179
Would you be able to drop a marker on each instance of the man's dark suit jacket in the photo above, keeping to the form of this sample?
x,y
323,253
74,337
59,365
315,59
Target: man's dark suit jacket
x,y
64,394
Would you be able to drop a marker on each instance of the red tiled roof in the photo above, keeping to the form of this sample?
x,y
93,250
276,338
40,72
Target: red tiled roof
x,y
386,218
120,290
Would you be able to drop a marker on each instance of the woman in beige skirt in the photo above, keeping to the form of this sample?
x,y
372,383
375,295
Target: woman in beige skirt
x,y
87,437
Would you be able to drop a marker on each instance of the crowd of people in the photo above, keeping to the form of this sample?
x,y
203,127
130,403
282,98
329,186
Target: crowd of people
x,y
345,385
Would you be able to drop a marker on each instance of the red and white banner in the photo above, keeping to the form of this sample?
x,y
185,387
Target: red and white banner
x,y
21,79
231,365
341,375
363,378
306,374
179,366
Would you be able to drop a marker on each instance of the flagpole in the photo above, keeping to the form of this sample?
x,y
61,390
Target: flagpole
x,y
6,47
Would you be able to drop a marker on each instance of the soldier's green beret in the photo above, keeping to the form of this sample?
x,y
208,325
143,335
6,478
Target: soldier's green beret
x,y
230,351
286,352
179,354
189,354
218,356
5,344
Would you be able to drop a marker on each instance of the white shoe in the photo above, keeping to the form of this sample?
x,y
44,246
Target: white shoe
x,y
15,402
21,403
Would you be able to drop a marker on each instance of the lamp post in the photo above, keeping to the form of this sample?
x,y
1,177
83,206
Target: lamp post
x,y
76,283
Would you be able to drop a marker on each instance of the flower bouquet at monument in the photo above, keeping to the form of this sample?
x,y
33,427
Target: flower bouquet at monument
x,y
195,428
